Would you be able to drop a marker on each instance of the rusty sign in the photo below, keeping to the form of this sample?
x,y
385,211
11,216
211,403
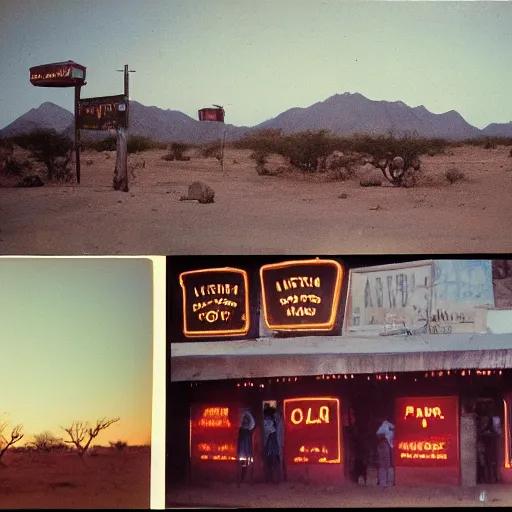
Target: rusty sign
x,y
211,114
103,113
58,74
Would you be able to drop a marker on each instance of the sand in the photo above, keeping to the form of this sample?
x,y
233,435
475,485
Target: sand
x,y
110,479
255,214
290,495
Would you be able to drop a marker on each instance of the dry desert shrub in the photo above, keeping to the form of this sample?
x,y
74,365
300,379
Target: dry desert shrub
x,y
453,175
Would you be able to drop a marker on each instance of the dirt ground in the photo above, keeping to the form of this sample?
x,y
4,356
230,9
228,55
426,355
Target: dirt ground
x,y
255,214
258,495
63,480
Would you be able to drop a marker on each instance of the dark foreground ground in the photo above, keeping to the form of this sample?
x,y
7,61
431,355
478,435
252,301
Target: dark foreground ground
x,y
289,495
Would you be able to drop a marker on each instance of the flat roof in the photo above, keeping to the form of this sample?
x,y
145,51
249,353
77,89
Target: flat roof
x,y
350,354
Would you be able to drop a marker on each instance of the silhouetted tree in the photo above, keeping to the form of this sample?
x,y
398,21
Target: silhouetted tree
x,y
81,433
16,434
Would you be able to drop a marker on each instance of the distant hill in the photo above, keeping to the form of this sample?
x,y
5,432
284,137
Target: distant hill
x,y
47,115
342,114
498,130
346,114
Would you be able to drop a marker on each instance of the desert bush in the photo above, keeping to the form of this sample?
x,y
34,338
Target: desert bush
x,y
52,149
212,149
47,442
453,175
107,144
265,141
307,150
118,445
176,151
138,144
488,142
260,157
370,182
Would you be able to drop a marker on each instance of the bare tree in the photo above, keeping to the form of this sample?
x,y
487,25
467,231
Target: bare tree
x,y
81,433
16,435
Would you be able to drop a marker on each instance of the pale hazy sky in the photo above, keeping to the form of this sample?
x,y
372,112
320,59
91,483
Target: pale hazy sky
x,y
261,57
76,344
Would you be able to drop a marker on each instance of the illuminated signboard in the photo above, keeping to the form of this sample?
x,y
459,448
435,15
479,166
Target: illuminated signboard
x,y
58,74
213,432
301,295
312,430
215,302
427,432
211,114
102,113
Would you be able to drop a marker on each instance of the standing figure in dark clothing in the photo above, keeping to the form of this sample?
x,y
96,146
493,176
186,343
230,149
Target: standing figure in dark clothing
x,y
244,445
485,446
270,443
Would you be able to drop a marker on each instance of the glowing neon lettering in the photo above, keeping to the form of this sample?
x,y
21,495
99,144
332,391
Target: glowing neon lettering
x,y
293,418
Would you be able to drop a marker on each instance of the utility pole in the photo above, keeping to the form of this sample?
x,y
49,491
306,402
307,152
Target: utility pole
x,y
121,171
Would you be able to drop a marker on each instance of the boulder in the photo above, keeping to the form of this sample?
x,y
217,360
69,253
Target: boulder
x,y
199,191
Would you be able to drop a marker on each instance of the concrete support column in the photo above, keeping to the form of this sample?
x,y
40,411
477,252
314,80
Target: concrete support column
x,y
468,456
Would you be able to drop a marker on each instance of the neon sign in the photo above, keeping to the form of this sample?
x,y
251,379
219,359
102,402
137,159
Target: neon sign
x,y
59,74
215,302
213,433
102,113
301,295
427,431
312,427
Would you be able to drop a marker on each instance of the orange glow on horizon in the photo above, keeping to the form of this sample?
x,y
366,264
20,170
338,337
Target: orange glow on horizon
x,y
325,326
210,316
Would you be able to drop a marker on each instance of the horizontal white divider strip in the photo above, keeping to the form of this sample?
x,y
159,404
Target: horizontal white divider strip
x,y
337,355
348,344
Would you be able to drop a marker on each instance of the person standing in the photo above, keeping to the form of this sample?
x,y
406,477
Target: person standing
x,y
270,443
244,445
385,442
497,448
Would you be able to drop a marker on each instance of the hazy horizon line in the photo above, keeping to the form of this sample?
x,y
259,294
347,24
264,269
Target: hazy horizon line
x,y
282,112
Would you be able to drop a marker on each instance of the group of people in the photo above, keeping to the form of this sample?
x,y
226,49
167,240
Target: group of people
x,y
271,451
272,454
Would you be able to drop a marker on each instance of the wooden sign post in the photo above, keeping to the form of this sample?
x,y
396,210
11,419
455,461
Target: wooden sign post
x,y
121,170
215,114
63,74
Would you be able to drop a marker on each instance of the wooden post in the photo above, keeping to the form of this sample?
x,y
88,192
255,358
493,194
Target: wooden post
x,y
121,171
77,133
126,93
222,151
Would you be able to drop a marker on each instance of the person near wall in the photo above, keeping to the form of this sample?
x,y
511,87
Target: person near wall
x,y
497,449
270,442
244,445
385,442
485,447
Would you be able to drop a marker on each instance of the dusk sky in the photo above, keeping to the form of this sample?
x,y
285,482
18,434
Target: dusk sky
x,y
77,344
259,58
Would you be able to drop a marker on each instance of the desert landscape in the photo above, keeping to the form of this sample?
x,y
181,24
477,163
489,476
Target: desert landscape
x,y
105,478
293,212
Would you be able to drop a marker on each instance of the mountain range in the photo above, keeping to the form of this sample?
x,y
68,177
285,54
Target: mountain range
x,y
343,114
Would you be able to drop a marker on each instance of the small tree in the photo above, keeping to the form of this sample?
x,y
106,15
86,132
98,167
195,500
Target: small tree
x,y
81,433
54,150
16,435
118,445
47,442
